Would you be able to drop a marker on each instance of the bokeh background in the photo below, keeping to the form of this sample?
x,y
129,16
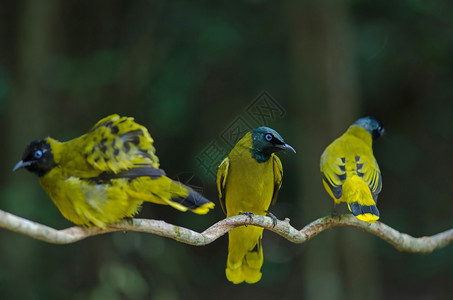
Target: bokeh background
x,y
187,70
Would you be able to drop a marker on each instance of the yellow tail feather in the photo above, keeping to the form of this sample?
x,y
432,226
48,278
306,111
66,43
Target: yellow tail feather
x,y
360,202
245,256
369,218
163,190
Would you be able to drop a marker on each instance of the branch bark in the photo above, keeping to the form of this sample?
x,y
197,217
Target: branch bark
x,y
401,241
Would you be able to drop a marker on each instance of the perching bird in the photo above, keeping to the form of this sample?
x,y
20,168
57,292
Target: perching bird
x,y
248,181
105,175
351,173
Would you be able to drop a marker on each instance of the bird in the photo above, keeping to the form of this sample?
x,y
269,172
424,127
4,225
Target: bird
x,y
350,171
248,181
105,175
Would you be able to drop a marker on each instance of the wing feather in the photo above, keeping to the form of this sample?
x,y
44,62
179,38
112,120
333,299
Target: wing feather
x,y
334,173
222,175
368,169
118,143
130,174
278,176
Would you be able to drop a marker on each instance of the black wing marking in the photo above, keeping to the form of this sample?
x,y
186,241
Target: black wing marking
x,y
130,174
337,190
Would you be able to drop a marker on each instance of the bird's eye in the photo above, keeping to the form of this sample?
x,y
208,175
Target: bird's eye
x,y
37,154
268,137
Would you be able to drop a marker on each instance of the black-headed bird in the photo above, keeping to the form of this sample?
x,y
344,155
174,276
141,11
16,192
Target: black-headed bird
x,y
351,173
248,181
106,174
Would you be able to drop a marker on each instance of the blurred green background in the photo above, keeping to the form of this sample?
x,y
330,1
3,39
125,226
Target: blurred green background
x,y
188,71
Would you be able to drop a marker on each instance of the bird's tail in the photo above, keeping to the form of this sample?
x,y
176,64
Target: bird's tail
x,y
163,190
245,255
184,198
358,196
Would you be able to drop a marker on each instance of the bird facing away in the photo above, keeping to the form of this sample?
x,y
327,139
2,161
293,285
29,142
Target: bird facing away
x,y
351,173
248,181
106,174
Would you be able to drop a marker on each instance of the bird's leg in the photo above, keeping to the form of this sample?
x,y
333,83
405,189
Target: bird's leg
x,y
273,217
334,212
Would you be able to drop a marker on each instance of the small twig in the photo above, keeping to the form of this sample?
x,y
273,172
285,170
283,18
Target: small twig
x,y
400,241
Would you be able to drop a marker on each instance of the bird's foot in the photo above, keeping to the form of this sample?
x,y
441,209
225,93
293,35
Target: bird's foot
x,y
335,214
129,220
273,217
248,214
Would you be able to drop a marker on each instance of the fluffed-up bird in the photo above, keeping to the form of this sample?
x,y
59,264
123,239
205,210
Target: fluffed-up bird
x,y
106,174
351,173
248,181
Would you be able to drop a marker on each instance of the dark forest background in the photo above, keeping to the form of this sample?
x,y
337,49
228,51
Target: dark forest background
x,y
194,73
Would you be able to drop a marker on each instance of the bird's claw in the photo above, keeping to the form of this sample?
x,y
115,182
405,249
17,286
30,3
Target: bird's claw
x,y
335,214
248,214
273,217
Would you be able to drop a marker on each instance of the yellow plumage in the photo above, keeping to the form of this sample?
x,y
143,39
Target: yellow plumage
x,y
351,173
106,174
248,184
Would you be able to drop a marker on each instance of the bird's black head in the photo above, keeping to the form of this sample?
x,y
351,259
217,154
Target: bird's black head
x,y
267,141
37,158
373,126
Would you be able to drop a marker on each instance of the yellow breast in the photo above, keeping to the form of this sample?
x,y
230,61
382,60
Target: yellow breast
x,y
250,184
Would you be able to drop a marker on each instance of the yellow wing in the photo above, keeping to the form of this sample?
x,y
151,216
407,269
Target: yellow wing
x,y
278,176
118,143
222,174
334,173
368,170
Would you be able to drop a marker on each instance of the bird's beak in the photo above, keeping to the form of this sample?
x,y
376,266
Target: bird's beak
x,y
286,147
21,164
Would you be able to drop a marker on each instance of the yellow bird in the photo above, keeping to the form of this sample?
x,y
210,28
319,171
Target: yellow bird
x,y
351,173
248,181
106,174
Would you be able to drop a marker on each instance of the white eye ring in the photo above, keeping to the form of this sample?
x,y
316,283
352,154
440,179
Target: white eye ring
x,y
37,154
268,137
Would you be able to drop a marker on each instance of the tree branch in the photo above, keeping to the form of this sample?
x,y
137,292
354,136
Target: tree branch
x,y
400,241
